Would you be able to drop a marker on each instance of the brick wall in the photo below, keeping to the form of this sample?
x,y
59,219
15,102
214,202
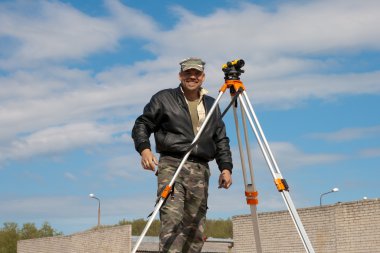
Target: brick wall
x,y
351,227
107,240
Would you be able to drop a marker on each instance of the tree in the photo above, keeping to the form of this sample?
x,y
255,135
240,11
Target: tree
x,y
10,234
219,228
139,225
46,230
214,228
8,238
28,231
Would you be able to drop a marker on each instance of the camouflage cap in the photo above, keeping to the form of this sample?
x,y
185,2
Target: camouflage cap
x,y
192,63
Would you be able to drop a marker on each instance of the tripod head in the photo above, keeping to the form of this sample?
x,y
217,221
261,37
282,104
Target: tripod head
x,y
232,69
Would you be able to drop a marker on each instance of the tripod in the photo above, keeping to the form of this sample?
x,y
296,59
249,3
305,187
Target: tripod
x,y
232,71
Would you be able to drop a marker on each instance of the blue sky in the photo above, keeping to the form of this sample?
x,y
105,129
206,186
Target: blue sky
x,y
74,75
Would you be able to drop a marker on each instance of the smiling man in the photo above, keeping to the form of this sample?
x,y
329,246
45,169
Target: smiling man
x,y
175,117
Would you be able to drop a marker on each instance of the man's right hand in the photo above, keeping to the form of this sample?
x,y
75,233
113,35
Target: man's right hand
x,y
148,160
225,179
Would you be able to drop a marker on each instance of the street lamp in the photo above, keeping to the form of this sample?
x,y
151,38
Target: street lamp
x,y
91,195
332,190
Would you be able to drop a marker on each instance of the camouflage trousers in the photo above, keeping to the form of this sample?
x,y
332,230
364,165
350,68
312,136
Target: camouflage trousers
x,y
183,215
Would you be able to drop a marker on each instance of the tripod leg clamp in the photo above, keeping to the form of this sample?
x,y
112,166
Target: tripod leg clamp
x,y
165,193
252,197
281,184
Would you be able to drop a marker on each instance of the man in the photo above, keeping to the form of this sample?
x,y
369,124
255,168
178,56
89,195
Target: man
x,y
175,116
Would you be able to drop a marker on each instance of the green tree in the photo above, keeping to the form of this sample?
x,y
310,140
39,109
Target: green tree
x,y
29,231
219,228
8,238
214,228
46,230
10,234
139,225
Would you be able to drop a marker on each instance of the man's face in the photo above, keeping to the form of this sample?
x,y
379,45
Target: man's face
x,y
191,79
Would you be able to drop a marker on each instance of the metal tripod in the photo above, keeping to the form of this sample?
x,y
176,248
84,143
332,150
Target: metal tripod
x,y
232,72
250,190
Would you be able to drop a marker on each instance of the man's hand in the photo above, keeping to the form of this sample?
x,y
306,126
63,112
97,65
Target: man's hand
x,y
148,160
225,179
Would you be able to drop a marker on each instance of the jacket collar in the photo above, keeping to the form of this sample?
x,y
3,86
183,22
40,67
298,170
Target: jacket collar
x,y
203,91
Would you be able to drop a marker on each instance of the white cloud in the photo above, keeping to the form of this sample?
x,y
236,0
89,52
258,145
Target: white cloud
x,y
53,31
117,167
370,152
77,209
46,207
26,83
349,134
57,139
279,48
287,156
132,22
292,158
297,28
70,176
56,31
57,98
288,92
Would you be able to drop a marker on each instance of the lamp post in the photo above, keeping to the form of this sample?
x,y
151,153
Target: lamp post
x,y
332,190
91,195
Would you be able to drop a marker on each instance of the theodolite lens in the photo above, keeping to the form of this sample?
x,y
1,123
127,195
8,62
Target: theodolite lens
x,y
240,63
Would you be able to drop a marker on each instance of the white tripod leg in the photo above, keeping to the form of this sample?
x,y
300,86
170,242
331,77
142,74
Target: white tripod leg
x,y
280,182
250,189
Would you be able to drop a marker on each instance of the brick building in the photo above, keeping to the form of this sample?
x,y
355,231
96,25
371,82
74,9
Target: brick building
x,y
351,227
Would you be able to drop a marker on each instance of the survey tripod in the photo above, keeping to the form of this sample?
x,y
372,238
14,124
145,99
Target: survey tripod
x,y
232,71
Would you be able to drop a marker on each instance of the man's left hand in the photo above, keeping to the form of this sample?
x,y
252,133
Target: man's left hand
x,y
225,179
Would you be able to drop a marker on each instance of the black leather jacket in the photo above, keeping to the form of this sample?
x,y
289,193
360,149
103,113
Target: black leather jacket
x,y
168,117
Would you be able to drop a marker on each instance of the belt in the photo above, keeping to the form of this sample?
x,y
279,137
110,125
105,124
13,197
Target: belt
x,y
191,158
